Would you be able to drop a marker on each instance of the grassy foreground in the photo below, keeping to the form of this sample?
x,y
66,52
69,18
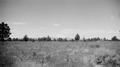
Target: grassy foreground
x,y
60,54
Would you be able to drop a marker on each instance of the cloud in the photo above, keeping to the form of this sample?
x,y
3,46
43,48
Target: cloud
x,y
56,25
19,23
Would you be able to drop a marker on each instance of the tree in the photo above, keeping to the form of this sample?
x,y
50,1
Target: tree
x,y
77,37
84,39
48,38
104,39
71,40
54,39
25,38
4,31
114,38
59,39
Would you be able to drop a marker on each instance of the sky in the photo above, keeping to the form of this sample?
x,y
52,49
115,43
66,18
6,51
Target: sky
x,y
61,18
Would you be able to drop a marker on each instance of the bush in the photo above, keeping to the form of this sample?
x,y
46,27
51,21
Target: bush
x,y
108,60
114,38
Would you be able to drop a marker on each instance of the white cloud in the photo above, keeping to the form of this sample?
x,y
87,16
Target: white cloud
x,y
19,23
56,25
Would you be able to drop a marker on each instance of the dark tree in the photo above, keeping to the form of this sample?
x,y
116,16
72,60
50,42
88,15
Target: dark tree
x,y
65,39
77,37
25,38
114,38
54,39
48,38
59,39
71,40
84,39
4,31
104,39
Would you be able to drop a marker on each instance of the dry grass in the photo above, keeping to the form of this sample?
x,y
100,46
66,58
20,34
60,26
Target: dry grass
x,y
56,54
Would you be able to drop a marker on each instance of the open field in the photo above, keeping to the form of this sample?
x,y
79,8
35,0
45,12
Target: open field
x,y
57,54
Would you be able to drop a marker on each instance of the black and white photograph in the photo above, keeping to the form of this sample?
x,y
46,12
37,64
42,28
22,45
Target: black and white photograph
x,y
59,33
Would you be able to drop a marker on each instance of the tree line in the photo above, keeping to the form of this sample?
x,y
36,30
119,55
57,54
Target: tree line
x,y
5,36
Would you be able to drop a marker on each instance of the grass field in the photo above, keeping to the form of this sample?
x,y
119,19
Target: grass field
x,y
58,54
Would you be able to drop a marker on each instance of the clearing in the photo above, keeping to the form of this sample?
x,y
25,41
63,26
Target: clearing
x,y
59,54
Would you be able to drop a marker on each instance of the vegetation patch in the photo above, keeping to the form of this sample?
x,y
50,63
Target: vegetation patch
x,y
108,60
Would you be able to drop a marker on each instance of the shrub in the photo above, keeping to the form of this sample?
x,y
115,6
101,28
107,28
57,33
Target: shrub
x,y
114,38
108,60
